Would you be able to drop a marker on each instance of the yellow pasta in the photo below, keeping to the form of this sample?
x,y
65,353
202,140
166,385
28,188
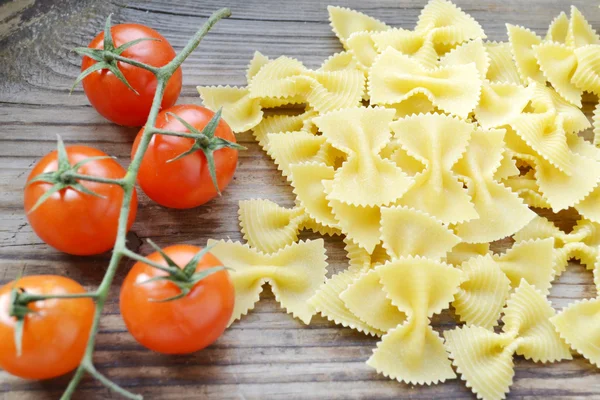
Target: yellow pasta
x,y
328,303
345,22
279,124
586,76
307,180
417,46
581,243
295,147
395,77
362,47
483,292
448,24
522,42
267,226
365,179
578,324
339,62
413,352
463,251
484,359
437,190
545,99
501,212
559,63
502,68
580,32
558,29
239,110
359,223
294,273
596,119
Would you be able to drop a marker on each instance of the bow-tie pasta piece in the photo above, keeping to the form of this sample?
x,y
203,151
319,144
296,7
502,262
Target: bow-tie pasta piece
x,y
526,331
280,124
280,78
507,168
578,324
559,189
365,179
586,76
295,147
345,22
339,62
596,123
502,68
438,141
558,29
545,99
527,188
413,352
531,260
395,77
267,226
307,180
463,252
417,46
501,212
522,41
416,104
483,293
362,47
447,24
546,136
328,303
559,64
239,110
295,273
469,52
335,90
580,32
580,243
404,232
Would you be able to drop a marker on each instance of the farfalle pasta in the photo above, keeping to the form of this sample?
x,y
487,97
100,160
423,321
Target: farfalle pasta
x,y
413,352
527,331
295,273
437,190
422,148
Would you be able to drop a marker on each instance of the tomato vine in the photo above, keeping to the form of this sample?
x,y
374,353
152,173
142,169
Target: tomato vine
x,y
67,176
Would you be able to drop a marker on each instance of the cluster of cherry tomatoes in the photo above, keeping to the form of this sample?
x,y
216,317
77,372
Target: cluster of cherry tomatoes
x,y
84,222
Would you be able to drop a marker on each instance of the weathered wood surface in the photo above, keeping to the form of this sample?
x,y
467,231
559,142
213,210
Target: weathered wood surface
x,y
268,354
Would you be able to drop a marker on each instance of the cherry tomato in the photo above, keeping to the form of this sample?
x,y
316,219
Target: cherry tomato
x,y
55,334
111,97
184,183
179,326
74,222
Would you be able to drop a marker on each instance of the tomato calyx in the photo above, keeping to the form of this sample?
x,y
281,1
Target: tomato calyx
x,y
109,56
66,176
184,278
205,141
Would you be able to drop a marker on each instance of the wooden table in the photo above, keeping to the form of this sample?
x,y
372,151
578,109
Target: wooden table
x,y
268,354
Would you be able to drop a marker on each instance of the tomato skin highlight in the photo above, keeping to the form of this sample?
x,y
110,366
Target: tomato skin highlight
x,y
110,97
180,326
184,183
74,222
54,336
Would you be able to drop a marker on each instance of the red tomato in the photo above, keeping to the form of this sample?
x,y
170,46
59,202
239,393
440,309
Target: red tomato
x,y
54,335
75,222
180,326
184,183
111,97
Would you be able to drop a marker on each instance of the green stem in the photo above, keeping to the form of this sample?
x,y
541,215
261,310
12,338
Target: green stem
x,y
140,258
91,178
29,297
135,63
128,183
178,134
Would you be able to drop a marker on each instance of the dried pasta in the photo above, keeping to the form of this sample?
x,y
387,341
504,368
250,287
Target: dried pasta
x,y
295,273
527,331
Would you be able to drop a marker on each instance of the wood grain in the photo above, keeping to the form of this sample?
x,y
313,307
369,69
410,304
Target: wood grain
x,y
268,355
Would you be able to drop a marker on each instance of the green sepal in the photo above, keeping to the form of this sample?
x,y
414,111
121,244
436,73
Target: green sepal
x,y
190,267
119,50
57,178
164,255
207,142
19,328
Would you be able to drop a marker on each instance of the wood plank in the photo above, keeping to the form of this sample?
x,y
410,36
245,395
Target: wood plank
x,y
268,354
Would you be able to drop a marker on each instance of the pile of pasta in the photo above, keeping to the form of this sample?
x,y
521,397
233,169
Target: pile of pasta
x,y
421,147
